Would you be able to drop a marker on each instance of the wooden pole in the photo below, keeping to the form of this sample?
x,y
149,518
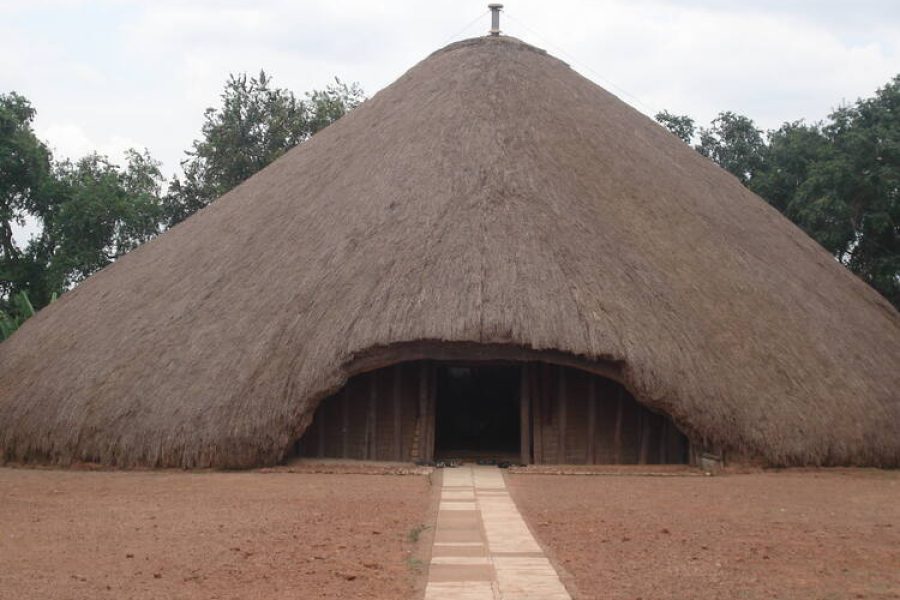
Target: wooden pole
x,y
432,413
320,415
398,412
524,416
537,410
617,433
371,416
345,421
423,410
591,453
561,458
645,436
663,440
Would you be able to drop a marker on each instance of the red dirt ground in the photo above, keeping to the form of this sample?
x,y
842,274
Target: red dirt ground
x,y
828,534
170,534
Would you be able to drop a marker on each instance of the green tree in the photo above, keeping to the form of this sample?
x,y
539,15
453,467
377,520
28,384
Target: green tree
x,y
18,309
25,174
90,212
324,107
838,180
255,124
793,150
99,212
681,125
850,200
735,144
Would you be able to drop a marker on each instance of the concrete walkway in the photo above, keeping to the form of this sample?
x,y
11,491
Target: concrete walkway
x,y
482,548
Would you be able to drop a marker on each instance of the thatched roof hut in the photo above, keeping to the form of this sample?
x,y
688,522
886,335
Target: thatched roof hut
x,y
491,201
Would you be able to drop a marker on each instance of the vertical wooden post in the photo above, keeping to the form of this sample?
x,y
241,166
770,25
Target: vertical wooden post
x,y
423,411
371,416
345,421
537,410
562,415
591,453
663,440
398,412
320,430
432,412
365,414
524,416
645,436
617,433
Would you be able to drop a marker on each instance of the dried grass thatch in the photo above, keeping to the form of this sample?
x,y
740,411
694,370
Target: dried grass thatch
x,y
490,195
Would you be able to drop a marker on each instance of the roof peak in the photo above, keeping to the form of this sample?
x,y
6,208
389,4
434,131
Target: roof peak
x,y
490,41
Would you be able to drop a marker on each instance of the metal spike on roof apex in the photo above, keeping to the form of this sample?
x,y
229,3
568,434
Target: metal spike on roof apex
x,y
495,18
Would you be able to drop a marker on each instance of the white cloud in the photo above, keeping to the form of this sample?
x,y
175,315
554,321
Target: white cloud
x,y
703,59
108,74
68,140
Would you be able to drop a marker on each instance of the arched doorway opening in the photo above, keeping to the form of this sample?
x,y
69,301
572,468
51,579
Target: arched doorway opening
x,y
527,412
477,412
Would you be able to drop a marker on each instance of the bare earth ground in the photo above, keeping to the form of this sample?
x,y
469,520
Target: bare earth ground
x,y
825,534
171,534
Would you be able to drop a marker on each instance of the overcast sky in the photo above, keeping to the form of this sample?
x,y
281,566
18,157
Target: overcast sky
x,y
111,74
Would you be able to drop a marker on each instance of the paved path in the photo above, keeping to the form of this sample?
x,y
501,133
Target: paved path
x,y
482,548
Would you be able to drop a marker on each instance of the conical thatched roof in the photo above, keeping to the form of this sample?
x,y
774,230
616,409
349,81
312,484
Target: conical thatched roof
x,y
490,195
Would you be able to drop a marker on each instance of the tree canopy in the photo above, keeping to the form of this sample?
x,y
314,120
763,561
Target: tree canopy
x,y
734,142
255,124
92,210
25,168
839,180
681,125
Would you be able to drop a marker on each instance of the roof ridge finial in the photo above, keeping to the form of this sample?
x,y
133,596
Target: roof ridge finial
x,y
495,18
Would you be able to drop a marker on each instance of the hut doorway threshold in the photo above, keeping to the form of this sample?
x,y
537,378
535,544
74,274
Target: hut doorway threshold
x,y
477,412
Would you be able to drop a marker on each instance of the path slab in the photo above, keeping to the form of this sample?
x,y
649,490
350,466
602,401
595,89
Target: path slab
x,y
483,550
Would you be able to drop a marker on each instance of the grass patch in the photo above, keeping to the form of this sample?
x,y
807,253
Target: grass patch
x,y
415,565
416,532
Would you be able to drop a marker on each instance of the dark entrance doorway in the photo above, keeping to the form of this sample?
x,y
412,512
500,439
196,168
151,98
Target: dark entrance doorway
x,y
477,412
528,412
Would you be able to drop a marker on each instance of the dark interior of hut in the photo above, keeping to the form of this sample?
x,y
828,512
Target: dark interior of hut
x,y
477,412
430,411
